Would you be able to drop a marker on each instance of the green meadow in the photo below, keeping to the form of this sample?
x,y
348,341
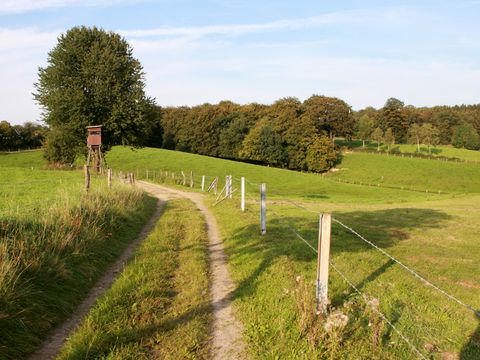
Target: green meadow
x,y
55,242
435,234
423,212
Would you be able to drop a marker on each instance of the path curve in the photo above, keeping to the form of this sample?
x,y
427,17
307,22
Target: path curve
x,y
227,331
53,343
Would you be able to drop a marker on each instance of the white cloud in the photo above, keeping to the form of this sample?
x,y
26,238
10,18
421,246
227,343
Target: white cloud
x,y
22,6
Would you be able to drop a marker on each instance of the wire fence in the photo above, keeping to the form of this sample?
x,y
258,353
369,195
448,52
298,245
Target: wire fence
x,y
192,180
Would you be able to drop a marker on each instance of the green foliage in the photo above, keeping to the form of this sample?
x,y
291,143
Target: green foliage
x,y
429,135
92,78
389,138
465,136
265,145
332,115
393,116
321,154
61,148
377,136
365,128
231,137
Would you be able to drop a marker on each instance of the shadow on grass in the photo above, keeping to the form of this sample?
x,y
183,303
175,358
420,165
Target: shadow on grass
x,y
385,228
471,350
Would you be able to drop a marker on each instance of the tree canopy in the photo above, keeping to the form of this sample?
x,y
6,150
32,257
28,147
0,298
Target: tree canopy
x,y
92,78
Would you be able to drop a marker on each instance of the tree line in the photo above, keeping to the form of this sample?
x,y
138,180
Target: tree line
x,y
289,133
20,137
396,123
92,78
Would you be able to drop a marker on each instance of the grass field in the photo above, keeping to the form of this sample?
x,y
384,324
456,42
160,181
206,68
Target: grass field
x,y
436,234
440,150
55,241
159,307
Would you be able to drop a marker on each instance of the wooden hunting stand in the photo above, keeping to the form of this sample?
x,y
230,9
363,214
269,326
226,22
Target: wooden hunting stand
x,y
94,144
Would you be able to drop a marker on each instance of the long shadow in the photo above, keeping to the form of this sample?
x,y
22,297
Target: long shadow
x,y
385,228
471,350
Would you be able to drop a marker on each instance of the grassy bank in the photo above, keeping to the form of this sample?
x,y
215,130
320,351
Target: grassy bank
x,y
435,235
159,306
55,241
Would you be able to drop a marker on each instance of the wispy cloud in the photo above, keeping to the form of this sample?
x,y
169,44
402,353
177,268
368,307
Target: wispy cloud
x,y
22,6
388,15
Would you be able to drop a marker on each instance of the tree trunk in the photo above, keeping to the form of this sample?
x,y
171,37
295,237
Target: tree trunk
x,y
363,143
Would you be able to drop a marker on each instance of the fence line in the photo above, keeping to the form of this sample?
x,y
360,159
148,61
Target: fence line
x,y
405,267
350,283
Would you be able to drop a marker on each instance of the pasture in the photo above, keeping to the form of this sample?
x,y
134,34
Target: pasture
x,y
55,241
435,234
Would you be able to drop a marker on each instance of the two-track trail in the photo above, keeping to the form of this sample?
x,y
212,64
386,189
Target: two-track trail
x,y
53,343
227,331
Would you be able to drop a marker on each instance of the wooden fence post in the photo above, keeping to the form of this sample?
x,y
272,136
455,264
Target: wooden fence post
x,y
203,183
191,179
87,177
242,188
263,208
146,173
230,186
323,260
184,179
109,178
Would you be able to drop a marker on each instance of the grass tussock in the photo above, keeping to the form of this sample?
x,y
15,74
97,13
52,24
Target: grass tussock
x,y
159,307
51,258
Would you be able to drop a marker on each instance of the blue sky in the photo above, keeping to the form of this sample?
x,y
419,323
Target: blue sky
x,y
422,52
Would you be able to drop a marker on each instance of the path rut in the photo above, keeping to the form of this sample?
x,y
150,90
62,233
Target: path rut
x,y
227,331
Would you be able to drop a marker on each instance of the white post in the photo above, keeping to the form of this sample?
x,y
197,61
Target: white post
x,y
242,188
203,183
263,208
109,178
323,259
230,186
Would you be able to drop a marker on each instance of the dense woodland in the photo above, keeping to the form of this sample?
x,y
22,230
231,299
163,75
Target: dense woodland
x,y
299,135
289,133
20,137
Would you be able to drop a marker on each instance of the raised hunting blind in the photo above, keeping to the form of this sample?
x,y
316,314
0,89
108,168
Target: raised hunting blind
x,y
94,144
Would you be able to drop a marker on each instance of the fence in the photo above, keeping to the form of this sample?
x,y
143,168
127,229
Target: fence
x,y
322,250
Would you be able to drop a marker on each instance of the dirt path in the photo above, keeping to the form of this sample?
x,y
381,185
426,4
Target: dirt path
x,y
227,331
52,345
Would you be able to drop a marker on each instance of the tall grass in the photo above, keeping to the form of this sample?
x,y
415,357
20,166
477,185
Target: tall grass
x,y
50,258
159,307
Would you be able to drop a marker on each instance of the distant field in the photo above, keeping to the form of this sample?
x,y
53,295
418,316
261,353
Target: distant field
x,y
435,234
291,183
440,150
420,174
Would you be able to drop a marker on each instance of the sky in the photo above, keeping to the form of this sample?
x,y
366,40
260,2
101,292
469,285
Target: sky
x,y
422,52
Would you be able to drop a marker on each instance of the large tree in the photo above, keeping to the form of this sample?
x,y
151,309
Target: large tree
x,y
393,116
331,115
92,78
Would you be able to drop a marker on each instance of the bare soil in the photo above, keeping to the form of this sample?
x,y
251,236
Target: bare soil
x,y
227,331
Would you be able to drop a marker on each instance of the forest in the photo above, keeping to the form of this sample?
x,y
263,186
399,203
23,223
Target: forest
x,y
288,133
299,135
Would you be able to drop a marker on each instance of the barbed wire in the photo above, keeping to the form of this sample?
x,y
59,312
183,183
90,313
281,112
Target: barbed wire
x,y
345,278
364,297
410,270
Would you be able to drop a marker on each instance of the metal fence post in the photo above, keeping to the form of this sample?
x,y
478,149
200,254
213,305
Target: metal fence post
x,y
242,188
263,208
